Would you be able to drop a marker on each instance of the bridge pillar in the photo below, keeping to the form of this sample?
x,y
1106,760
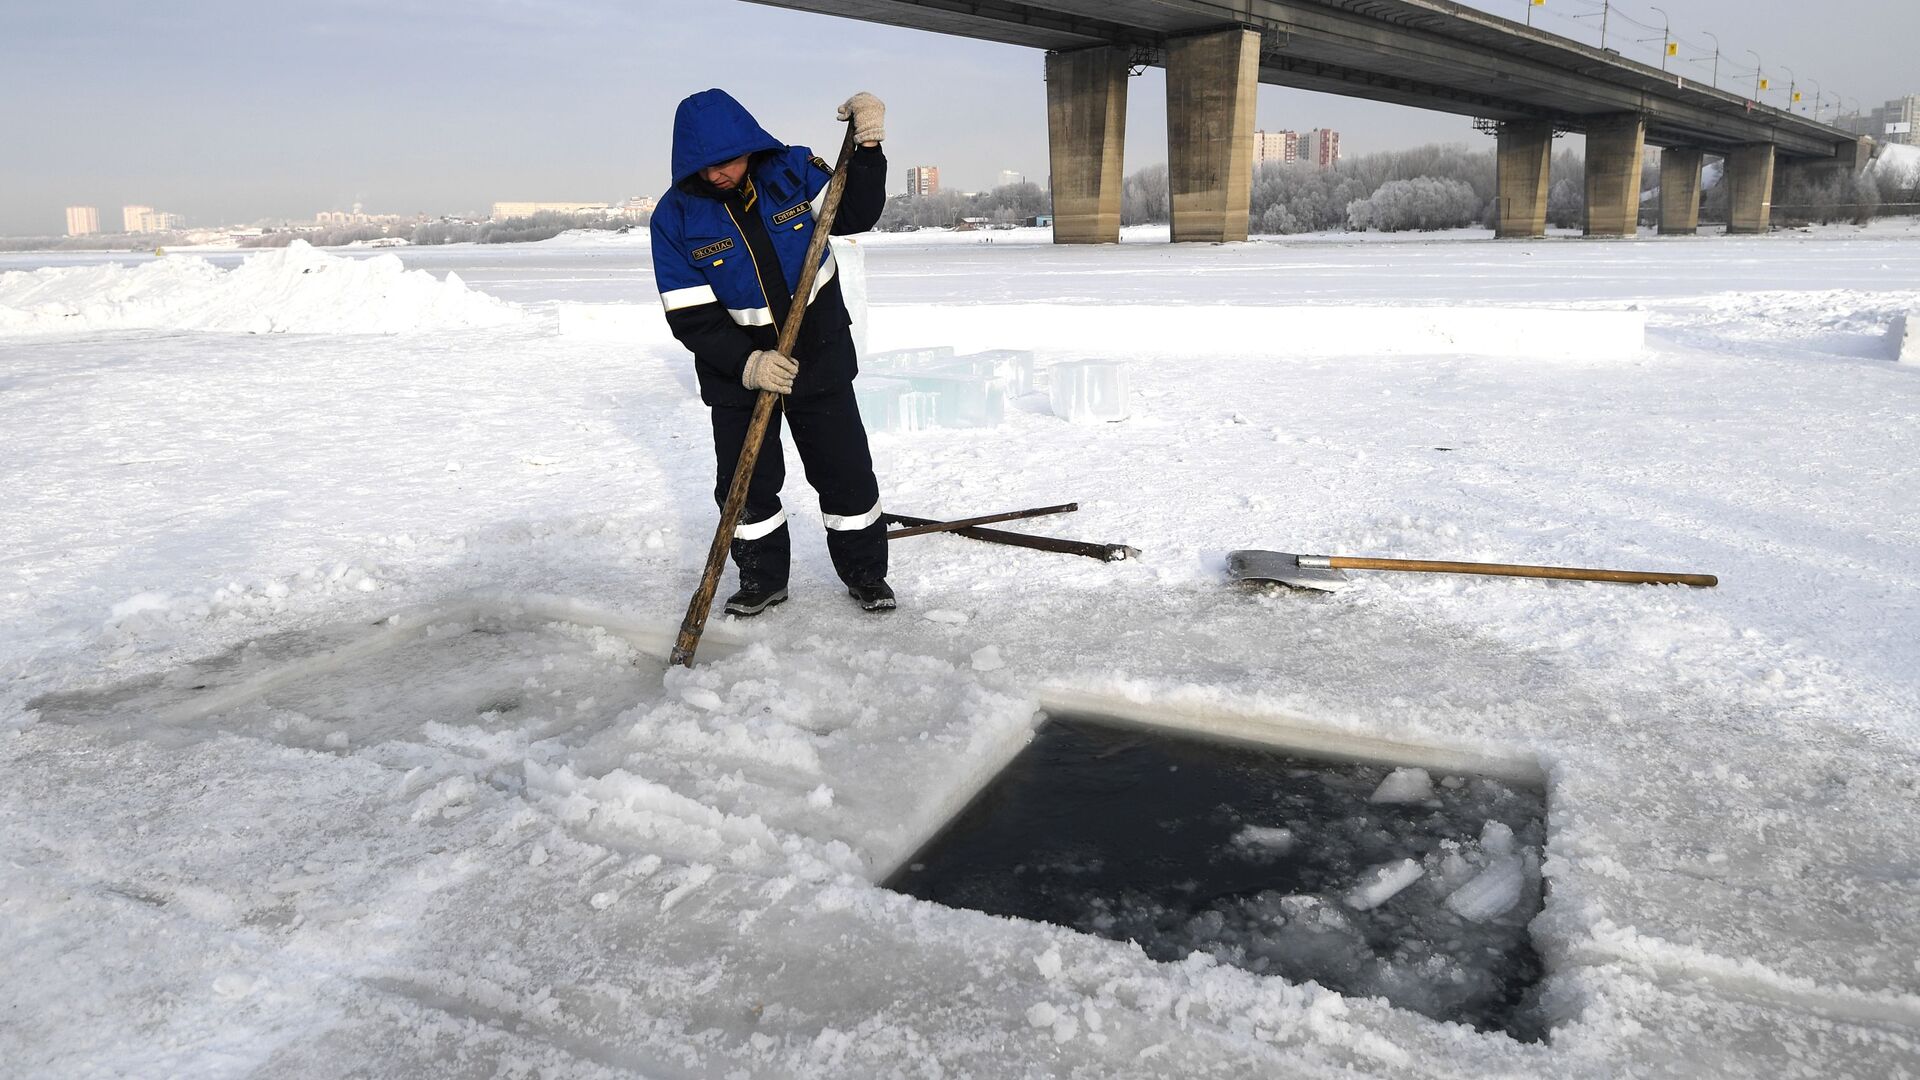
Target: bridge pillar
x,y
1212,80
1086,130
1525,154
1857,154
1680,191
1614,147
1750,203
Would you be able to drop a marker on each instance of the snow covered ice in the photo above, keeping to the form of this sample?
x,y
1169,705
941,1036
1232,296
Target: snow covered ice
x,y
250,826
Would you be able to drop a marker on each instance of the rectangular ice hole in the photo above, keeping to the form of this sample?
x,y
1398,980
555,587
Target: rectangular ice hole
x,y
1371,879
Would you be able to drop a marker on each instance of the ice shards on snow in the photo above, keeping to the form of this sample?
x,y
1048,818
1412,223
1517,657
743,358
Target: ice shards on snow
x,y
1273,864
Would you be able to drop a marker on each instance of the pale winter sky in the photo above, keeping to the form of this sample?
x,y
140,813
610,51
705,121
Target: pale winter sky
x,y
234,110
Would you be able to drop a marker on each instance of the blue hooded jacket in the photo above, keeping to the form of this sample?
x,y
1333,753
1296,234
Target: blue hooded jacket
x,y
726,262
711,127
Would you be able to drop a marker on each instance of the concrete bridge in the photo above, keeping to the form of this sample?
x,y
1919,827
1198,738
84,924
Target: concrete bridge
x,y
1431,54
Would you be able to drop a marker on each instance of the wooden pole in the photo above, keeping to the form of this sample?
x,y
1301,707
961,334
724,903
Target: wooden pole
x,y
702,604
1565,573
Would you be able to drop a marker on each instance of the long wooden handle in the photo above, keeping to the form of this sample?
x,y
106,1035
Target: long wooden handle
x,y
702,604
1568,573
1011,515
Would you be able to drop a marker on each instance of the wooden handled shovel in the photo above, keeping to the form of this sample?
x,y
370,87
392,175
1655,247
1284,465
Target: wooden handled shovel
x,y
1322,572
702,604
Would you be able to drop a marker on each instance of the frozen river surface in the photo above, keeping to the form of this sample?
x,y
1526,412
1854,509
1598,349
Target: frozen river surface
x,y
335,738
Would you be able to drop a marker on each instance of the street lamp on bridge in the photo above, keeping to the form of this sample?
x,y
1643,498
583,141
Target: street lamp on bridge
x,y
1666,38
1759,83
1716,59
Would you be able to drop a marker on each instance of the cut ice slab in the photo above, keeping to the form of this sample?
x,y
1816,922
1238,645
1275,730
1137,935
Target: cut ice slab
x,y
1905,336
1089,391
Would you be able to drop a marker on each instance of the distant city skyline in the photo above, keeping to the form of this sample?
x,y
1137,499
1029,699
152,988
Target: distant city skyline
x,y
252,112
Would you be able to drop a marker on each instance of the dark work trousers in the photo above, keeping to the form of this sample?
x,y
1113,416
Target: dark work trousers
x,y
833,449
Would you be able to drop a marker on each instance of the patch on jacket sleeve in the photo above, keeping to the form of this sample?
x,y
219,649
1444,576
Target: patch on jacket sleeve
x,y
791,212
713,249
820,163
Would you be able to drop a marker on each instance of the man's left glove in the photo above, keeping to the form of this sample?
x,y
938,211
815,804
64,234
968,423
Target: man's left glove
x,y
869,116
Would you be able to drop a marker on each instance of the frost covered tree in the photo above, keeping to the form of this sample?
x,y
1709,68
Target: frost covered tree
x,y
1145,198
1827,195
1567,190
1009,204
1423,203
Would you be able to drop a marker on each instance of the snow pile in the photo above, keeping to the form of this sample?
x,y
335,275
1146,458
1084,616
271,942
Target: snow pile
x,y
295,289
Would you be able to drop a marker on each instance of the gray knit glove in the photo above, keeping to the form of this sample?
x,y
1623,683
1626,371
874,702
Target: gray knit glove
x,y
869,115
769,370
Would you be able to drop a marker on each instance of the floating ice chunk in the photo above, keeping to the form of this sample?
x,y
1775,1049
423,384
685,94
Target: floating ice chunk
x,y
1089,391
1492,892
988,659
1266,839
1404,786
820,798
1381,883
1496,838
1042,1014
945,615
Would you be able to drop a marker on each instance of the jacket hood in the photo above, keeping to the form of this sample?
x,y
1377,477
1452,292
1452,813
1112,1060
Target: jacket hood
x,y
710,127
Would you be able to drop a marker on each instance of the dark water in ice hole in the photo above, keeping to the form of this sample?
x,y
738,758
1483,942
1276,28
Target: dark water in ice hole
x,y
1141,836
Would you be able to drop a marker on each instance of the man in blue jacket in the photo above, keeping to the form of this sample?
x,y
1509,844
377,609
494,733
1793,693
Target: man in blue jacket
x,y
729,242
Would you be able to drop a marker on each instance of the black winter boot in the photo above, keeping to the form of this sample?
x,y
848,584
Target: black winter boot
x,y
749,602
875,596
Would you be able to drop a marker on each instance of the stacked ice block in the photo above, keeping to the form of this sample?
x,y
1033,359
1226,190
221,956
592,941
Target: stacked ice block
x,y
915,389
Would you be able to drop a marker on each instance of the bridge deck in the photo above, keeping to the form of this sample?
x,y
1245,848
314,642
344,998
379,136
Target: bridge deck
x,y
1430,54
